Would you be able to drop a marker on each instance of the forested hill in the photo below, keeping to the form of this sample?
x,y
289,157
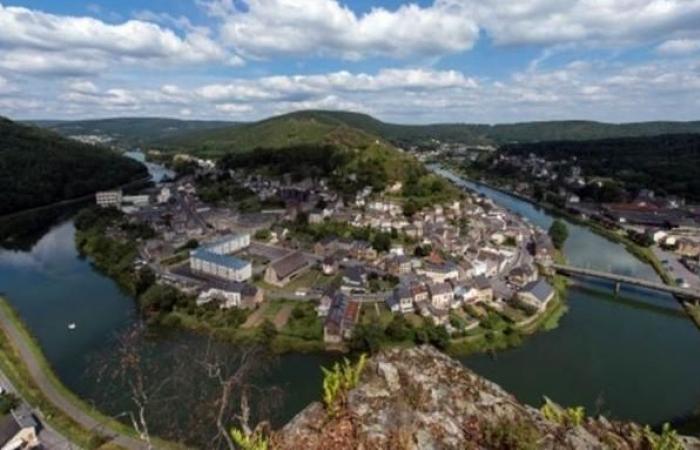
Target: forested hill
x,y
39,167
296,128
132,131
279,132
668,163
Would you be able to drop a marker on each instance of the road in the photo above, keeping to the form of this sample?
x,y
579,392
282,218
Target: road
x,y
54,395
675,268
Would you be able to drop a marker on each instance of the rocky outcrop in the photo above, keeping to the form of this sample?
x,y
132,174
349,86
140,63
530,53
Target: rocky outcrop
x,y
420,398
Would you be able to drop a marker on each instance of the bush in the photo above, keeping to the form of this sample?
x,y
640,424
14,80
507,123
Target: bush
x,y
559,233
399,329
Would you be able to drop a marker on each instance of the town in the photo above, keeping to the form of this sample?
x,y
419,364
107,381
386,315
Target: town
x,y
666,225
453,265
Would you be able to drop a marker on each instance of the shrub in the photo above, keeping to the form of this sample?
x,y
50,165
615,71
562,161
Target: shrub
x,y
572,417
253,441
339,380
667,440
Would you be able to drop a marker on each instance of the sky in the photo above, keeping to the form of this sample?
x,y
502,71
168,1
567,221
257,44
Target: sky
x,y
426,61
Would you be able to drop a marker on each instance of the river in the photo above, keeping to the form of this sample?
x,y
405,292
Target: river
x,y
632,357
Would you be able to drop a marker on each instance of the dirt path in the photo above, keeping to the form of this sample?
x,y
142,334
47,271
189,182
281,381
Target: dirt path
x,y
282,316
256,318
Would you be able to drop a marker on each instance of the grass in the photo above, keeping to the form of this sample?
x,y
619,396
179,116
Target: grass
x,y
310,278
15,369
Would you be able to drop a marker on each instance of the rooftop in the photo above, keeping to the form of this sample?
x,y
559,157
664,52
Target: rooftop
x,y
230,262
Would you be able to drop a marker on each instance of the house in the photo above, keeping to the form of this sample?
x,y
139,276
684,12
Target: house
x,y
536,294
401,300
342,316
522,275
494,261
543,250
237,295
18,430
419,292
286,268
363,250
441,295
354,279
484,290
439,273
398,265
329,266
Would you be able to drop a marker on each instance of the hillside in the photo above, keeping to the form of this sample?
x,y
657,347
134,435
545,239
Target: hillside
x,y
132,132
38,167
305,126
668,163
420,398
276,132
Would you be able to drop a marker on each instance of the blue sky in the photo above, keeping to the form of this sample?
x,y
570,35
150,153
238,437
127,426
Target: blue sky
x,y
414,62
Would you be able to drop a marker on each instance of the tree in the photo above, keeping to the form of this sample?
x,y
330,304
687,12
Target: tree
x,y
268,330
262,234
367,337
211,382
399,329
559,233
382,242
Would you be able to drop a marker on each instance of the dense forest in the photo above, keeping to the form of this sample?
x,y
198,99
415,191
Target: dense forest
x,y
38,167
668,164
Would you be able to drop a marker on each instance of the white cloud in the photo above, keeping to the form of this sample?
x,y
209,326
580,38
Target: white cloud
x,y
35,42
593,22
325,27
265,28
5,86
679,47
595,90
304,87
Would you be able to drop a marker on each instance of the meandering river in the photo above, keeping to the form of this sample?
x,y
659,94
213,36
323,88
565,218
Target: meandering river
x,y
635,356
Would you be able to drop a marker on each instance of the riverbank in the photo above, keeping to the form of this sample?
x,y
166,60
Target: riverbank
x,y
643,254
23,362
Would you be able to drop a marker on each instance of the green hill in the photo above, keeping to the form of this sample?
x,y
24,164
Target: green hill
x,y
277,132
134,131
304,127
39,167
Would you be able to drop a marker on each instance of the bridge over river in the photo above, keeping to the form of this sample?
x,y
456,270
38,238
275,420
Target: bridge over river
x,y
618,279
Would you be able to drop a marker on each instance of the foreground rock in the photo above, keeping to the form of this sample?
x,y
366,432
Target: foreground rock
x,y
422,399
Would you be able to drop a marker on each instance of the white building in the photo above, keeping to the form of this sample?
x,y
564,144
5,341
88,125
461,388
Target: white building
x,y
136,200
107,199
229,244
225,267
164,195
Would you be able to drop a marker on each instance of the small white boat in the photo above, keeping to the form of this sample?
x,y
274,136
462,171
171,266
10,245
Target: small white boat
x,y
71,326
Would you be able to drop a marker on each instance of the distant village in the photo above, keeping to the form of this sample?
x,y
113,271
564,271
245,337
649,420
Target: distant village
x,y
452,265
